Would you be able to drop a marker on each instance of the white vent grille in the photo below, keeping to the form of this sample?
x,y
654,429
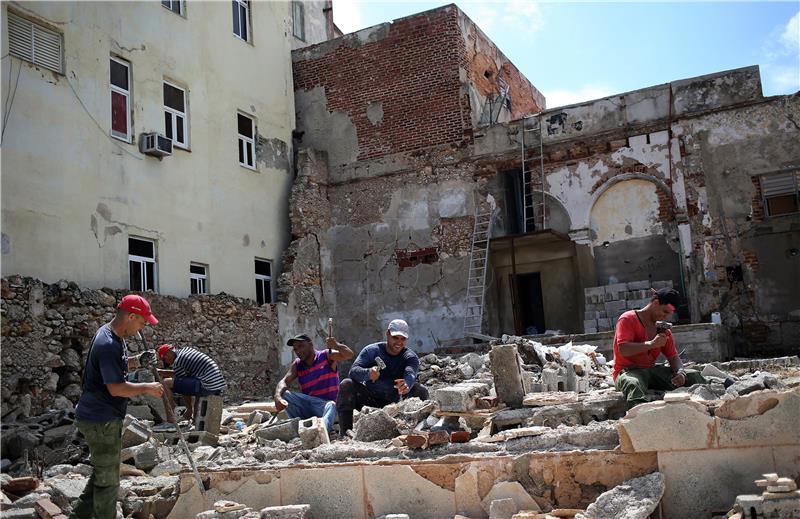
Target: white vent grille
x,y
32,42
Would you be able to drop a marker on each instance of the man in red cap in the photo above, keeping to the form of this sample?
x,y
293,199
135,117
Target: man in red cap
x,y
104,401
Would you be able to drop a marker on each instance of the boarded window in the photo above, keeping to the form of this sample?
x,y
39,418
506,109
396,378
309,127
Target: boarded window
x,y
34,43
298,21
120,99
780,192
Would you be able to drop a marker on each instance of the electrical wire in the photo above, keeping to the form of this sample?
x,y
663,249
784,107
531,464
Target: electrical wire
x,y
99,126
7,114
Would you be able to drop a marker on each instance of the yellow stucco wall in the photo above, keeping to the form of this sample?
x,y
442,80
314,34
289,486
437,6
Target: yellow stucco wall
x,y
71,194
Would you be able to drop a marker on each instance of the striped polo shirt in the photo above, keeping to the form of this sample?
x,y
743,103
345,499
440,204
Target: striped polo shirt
x,y
319,379
192,363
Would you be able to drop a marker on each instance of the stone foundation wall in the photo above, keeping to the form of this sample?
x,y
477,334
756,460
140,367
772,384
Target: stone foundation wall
x,y
47,329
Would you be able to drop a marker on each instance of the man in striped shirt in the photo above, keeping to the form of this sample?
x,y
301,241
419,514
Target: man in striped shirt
x,y
192,373
316,372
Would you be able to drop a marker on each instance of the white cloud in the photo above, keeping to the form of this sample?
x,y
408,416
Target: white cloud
x,y
347,15
790,38
556,98
522,17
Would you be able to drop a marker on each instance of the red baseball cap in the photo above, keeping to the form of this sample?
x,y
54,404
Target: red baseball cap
x,y
137,305
163,349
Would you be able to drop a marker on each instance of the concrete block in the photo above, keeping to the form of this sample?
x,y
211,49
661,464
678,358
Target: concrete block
x,y
460,397
590,330
591,291
661,426
590,315
507,374
776,425
616,288
208,414
638,285
553,379
616,307
603,322
20,513
285,431
528,381
286,512
589,323
313,433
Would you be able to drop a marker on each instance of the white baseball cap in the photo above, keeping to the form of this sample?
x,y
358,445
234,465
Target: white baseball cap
x,y
398,327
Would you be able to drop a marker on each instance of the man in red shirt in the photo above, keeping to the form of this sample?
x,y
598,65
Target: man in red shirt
x,y
637,346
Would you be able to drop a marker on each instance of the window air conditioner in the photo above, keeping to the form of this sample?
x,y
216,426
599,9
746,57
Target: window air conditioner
x,y
155,144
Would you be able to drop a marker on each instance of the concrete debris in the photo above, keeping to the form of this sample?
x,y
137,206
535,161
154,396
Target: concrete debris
x,y
375,425
634,499
513,491
313,433
285,431
507,373
286,512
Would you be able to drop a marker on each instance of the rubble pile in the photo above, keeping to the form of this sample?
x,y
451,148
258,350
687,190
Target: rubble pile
x,y
520,397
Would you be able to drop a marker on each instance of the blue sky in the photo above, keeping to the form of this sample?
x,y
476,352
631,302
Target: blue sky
x,y
576,51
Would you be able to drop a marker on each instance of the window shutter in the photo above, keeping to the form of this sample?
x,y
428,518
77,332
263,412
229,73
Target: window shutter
x,y
20,37
778,184
32,42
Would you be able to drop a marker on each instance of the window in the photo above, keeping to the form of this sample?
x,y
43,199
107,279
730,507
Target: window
x,y
120,99
241,18
780,192
175,126
298,21
263,281
176,6
247,150
32,42
142,264
198,278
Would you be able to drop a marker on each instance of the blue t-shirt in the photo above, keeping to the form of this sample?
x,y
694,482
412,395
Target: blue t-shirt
x,y
107,364
404,365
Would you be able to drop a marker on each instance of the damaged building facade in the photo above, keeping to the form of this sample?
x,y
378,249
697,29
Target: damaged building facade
x,y
692,184
92,194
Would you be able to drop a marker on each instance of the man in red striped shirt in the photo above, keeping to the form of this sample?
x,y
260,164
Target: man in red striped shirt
x,y
319,382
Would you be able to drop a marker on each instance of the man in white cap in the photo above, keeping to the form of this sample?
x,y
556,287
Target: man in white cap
x,y
382,373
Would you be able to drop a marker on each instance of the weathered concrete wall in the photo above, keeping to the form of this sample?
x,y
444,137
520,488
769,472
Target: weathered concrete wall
x,y
72,194
47,330
721,154
431,489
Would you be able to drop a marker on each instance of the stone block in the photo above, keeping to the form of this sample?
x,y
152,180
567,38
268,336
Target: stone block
x,y
507,374
286,512
661,426
376,425
20,513
460,397
633,499
775,425
420,492
134,433
285,431
510,490
313,432
502,509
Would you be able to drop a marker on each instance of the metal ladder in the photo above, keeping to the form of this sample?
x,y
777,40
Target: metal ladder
x,y
478,262
533,141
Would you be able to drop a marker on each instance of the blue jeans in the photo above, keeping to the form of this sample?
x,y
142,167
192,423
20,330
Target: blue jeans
x,y
304,406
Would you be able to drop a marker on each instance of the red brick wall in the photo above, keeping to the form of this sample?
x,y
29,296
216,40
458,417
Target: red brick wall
x,y
413,72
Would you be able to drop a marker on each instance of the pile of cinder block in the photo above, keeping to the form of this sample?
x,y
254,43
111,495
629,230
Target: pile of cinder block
x,y
604,304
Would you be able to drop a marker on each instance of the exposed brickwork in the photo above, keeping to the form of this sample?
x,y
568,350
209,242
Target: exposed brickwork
x,y
413,72
757,204
750,259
